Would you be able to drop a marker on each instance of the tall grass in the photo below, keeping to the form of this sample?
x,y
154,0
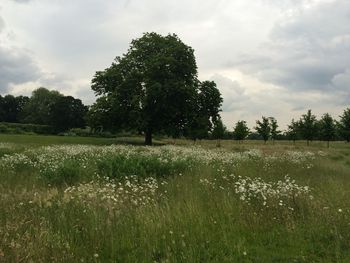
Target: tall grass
x,y
175,204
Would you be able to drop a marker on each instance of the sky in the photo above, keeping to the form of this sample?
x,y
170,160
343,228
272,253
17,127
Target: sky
x,y
274,58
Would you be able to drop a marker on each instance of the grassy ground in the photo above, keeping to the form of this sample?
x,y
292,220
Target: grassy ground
x,y
61,201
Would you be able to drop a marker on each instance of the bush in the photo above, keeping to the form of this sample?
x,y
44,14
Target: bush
x,y
120,166
66,174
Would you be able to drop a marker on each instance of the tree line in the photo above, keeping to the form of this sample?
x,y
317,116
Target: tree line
x,y
44,107
308,128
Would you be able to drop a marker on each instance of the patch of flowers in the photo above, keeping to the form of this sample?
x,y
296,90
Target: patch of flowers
x,y
256,189
49,159
110,193
7,145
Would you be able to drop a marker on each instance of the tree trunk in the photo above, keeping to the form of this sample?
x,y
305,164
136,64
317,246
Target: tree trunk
x,y
218,144
148,137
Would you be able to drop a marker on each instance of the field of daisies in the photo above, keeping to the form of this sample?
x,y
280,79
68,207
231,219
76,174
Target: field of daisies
x,y
172,203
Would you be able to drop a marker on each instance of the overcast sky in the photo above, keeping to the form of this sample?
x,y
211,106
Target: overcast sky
x,y
268,57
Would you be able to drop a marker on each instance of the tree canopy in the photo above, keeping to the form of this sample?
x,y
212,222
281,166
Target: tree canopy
x,y
308,126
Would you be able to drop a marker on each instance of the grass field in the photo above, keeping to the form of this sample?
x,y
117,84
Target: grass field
x,y
71,199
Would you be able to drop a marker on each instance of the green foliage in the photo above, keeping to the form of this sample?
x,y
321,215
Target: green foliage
x,y
119,166
344,125
263,128
218,130
47,107
273,128
153,86
38,109
293,130
101,116
205,112
11,108
308,126
327,128
66,113
241,130
68,173
21,128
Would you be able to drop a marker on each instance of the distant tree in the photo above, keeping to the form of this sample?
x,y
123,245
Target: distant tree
x,y
153,86
273,128
308,126
11,108
66,113
344,125
327,128
263,128
293,131
218,131
21,101
241,130
38,109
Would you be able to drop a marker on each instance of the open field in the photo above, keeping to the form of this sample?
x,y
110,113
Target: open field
x,y
72,199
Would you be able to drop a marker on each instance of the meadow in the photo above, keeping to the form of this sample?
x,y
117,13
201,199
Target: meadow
x,y
74,199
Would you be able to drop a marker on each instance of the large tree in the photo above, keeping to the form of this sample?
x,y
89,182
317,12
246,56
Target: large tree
x,y
344,125
153,87
327,128
263,128
308,126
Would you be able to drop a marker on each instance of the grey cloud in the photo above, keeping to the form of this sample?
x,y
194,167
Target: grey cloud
x,y
16,67
233,94
307,51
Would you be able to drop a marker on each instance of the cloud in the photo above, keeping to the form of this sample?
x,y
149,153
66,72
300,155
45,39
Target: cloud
x,y
16,67
16,64
306,51
22,1
233,94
